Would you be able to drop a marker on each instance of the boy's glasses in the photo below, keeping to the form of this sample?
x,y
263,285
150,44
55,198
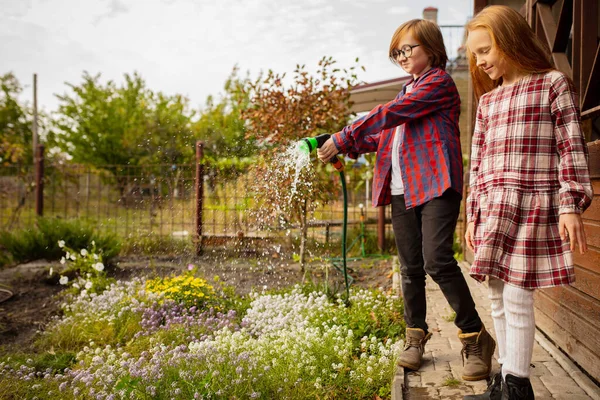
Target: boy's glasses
x,y
406,51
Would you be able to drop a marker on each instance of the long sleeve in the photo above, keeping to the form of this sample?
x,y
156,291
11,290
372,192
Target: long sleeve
x,y
476,150
575,188
435,92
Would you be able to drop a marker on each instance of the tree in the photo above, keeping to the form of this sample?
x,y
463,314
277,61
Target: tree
x,y
169,138
221,126
104,124
280,115
15,124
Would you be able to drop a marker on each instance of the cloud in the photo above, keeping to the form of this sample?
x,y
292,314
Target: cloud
x,y
399,10
15,8
115,8
191,46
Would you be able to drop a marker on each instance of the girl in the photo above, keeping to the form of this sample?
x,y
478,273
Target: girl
x,y
529,183
419,171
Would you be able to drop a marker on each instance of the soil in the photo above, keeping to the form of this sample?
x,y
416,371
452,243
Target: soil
x,y
36,295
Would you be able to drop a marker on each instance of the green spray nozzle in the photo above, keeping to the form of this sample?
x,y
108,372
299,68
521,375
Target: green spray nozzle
x,y
310,144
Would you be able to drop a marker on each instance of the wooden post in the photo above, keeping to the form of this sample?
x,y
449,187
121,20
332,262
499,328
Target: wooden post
x,y
396,278
381,229
199,194
39,180
34,125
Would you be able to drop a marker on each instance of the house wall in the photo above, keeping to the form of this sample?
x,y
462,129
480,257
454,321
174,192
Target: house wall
x,y
570,315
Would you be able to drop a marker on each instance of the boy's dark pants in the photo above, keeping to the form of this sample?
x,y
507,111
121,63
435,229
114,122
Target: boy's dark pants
x,y
424,237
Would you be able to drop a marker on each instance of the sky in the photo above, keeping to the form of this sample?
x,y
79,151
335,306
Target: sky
x,y
190,47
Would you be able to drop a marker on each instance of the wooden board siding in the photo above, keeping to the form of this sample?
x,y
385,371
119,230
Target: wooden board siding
x,y
570,315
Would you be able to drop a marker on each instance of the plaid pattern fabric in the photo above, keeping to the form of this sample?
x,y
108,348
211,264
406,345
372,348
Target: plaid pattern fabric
x,y
430,156
528,166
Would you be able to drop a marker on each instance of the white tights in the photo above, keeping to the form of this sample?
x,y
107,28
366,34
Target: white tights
x,y
514,322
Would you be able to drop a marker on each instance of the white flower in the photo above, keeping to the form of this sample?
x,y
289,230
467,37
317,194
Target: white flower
x,y
84,252
88,285
62,260
93,243
76,285
63,280
73,257
95,256
51,271
61,243
98,266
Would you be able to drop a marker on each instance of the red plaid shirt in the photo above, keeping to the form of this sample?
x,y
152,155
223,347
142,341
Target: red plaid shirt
x,y
430,155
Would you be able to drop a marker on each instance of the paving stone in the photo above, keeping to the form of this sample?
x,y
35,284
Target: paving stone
x,y
414,379
478,386
423,393
435,379
451,393
456,366
397,384
427,363
441,365
438,346
443,356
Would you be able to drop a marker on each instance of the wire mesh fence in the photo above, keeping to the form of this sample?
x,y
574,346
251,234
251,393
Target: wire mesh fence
x,y
161,200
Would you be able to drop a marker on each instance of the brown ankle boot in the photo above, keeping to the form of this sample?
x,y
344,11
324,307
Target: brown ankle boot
x,y
478,349
414,347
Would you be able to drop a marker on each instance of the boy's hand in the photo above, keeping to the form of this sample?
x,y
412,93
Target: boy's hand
x,y
327,151
469,236
570,228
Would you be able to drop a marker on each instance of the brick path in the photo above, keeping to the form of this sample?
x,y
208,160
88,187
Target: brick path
x,y
440,374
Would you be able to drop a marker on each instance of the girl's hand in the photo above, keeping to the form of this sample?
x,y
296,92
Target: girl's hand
x,y
570,228
469,236
327,151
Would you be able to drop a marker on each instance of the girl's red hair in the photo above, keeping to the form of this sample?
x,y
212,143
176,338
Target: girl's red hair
x,y
513,39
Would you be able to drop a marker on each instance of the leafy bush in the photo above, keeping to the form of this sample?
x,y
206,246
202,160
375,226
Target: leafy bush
x,y
152,244
41,242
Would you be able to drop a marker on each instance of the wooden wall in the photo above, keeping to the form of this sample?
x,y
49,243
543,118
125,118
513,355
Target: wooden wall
x,y
570,315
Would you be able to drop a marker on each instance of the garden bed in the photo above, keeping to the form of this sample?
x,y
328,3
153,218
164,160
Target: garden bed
x,y
335,368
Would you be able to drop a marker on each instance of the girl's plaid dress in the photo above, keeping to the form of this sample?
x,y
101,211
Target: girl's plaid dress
x,y
528,166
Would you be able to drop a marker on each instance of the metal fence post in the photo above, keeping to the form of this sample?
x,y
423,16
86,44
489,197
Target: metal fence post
x,y
39,180
199,194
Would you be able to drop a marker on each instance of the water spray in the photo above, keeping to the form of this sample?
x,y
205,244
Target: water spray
x,y
309,145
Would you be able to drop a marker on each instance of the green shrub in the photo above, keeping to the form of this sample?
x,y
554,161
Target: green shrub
x,y
41,242
152,244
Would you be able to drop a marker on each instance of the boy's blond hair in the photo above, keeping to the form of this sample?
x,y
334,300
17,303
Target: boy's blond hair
x,y
428,35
